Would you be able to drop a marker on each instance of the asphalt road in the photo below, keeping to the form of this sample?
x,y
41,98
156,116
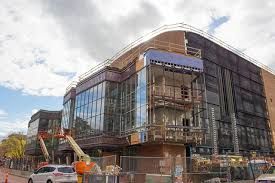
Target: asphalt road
x,y
12,178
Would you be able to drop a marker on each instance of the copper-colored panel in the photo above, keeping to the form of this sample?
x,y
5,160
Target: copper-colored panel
x,y
168,40
269,86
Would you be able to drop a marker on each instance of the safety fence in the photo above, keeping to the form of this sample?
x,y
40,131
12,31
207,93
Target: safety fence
x,y
135,169
206,169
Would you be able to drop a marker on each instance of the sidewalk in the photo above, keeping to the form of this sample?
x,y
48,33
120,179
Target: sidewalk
x,y
18,173
12,178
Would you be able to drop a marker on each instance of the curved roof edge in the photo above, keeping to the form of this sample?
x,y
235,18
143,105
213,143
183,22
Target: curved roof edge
x,y
175,27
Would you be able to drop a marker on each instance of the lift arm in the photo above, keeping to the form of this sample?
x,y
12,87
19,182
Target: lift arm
x,y
81,155
43,148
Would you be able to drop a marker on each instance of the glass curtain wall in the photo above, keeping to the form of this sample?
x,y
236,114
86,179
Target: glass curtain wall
x,y
32,134
134,102
112,108
66,115
89,111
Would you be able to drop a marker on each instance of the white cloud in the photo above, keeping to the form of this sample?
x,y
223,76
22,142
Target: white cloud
x,y
251,29
3,114
9,126
34,111
46,44
33,52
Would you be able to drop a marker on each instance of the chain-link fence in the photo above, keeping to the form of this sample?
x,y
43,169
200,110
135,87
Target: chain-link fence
x,y
174,169
205,169
135,169
107,166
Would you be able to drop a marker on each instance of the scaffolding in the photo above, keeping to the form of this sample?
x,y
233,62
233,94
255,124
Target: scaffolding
x,y
180,104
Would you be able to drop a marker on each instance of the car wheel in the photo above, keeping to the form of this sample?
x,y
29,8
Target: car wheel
x,y
49,181
30,181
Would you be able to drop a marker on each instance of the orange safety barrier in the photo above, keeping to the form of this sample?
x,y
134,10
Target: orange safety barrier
x,y
6,177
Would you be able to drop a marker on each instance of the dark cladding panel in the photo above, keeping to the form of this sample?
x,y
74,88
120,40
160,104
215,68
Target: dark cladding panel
x,y
113,76
69,95
194,40
210,68
233,62
243,67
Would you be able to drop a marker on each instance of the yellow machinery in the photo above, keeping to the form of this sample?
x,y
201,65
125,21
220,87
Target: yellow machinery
x,y
41,136
84,164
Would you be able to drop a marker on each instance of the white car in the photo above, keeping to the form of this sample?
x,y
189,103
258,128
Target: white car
x,y
54,174
267,177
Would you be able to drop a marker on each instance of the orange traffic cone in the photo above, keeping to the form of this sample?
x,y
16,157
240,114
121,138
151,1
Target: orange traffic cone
x,y
6,177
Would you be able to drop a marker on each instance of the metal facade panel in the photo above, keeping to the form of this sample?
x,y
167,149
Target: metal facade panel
x,y
173,58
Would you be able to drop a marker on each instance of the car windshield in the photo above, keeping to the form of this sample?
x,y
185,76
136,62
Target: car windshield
x,y
271,170
66,169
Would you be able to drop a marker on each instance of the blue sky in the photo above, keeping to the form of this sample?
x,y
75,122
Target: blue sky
x,y
44,46
17,104
18,108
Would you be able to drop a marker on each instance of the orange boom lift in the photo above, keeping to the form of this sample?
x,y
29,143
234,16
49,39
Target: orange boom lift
x,y
83,165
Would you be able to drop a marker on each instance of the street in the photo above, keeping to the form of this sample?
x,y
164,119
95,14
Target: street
x,y
11,178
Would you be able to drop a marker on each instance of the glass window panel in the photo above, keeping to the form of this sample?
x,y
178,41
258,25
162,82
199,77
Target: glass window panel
x,y
98,106
103,89
143,115
89,112
110,124
128,123
138,98
102,105
95,93
90,125
143,96
86,97
97,119
133,118
133,83
91,93
101,122
138,117
93,123
94,108
99,90
80,113
143,78
138,79
133,100
78,98
82,98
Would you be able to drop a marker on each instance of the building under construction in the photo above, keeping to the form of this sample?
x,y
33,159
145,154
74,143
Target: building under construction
x,y
43,121
176,91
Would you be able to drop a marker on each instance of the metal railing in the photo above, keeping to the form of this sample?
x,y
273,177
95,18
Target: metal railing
x,y
154,44
71,85
174,27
